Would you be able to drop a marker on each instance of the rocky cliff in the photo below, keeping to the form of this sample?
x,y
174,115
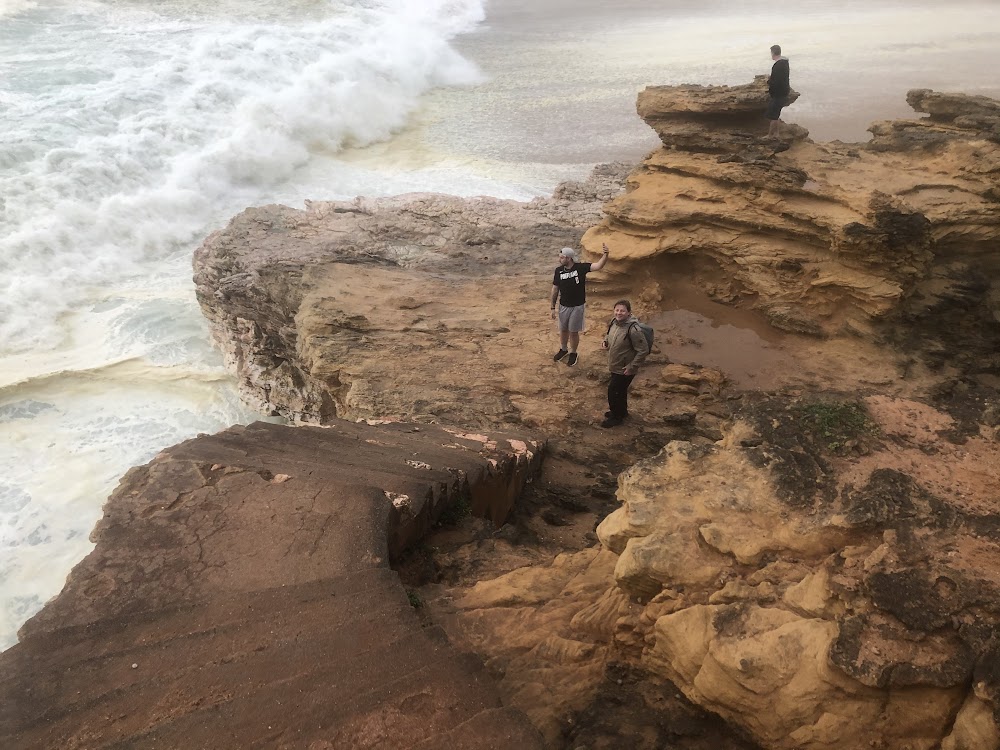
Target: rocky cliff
x,y
345,308
816,564
822,238
240,595
813,560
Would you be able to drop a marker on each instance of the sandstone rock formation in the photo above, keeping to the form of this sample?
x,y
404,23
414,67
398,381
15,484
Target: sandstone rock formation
x,y
823,596
551,634
953,117
343,309
818,600
712,119
820,573
818,587
240,596
824,239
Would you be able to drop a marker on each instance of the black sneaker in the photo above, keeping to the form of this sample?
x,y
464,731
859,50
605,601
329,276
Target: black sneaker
x,y
572,359
611,422
609,414
560,354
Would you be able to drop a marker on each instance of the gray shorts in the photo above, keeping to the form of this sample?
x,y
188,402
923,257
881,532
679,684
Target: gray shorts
x,y
571,318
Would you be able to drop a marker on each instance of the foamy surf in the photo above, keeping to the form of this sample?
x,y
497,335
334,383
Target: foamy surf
x,y
67,440
127,133
175,123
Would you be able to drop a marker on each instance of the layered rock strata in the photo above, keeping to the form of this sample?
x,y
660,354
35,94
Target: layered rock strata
x,y
822,238
310,305
712,119
240,596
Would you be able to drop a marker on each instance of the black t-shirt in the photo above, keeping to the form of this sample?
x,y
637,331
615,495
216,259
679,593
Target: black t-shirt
x,y
572,283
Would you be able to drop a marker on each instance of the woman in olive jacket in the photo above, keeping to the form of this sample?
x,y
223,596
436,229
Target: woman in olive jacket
x,y
627,348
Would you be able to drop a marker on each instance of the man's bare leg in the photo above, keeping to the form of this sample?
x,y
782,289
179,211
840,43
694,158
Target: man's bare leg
x,y
774,129
563,339
574,341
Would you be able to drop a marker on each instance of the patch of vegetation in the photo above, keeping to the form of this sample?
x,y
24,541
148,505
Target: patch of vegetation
x,y
837,425
414,598
457,510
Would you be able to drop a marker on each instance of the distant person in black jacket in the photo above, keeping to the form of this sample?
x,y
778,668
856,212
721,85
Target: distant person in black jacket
x,y
778,89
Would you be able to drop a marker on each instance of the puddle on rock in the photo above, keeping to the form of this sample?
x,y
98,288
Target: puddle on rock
x,y
739,343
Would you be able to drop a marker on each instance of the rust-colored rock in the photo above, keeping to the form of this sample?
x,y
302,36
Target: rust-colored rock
x,y
240,596
818,578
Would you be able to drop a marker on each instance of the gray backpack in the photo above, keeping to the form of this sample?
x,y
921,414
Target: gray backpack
x,y
646,331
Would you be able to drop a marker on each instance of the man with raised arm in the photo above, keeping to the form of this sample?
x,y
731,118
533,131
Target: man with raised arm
x,y
569,290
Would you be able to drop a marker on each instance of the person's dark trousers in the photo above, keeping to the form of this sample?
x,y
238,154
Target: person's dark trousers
x,y
618,395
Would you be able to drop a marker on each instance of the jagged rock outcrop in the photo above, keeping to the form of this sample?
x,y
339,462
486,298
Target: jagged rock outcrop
x,y
825,577
823,239
712,119
240,596
953,117
392,306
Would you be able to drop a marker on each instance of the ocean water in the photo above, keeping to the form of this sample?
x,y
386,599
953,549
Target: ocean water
x,y
129,129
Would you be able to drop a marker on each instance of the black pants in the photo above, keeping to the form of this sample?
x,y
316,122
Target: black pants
x,y
618,395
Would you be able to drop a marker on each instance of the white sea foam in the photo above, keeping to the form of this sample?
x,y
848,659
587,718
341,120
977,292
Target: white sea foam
x,y
67,439
13,7
174,123
127,132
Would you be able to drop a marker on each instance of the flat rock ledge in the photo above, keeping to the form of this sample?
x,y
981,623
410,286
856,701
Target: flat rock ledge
x,y
414,306
240,596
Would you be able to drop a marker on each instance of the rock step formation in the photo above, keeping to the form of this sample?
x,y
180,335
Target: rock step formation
x,y
240,596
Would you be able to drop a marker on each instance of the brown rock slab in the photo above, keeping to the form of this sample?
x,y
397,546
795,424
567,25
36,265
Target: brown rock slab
x,y
240,596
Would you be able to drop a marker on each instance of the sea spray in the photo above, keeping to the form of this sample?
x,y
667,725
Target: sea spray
x,y
127,133
175,123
